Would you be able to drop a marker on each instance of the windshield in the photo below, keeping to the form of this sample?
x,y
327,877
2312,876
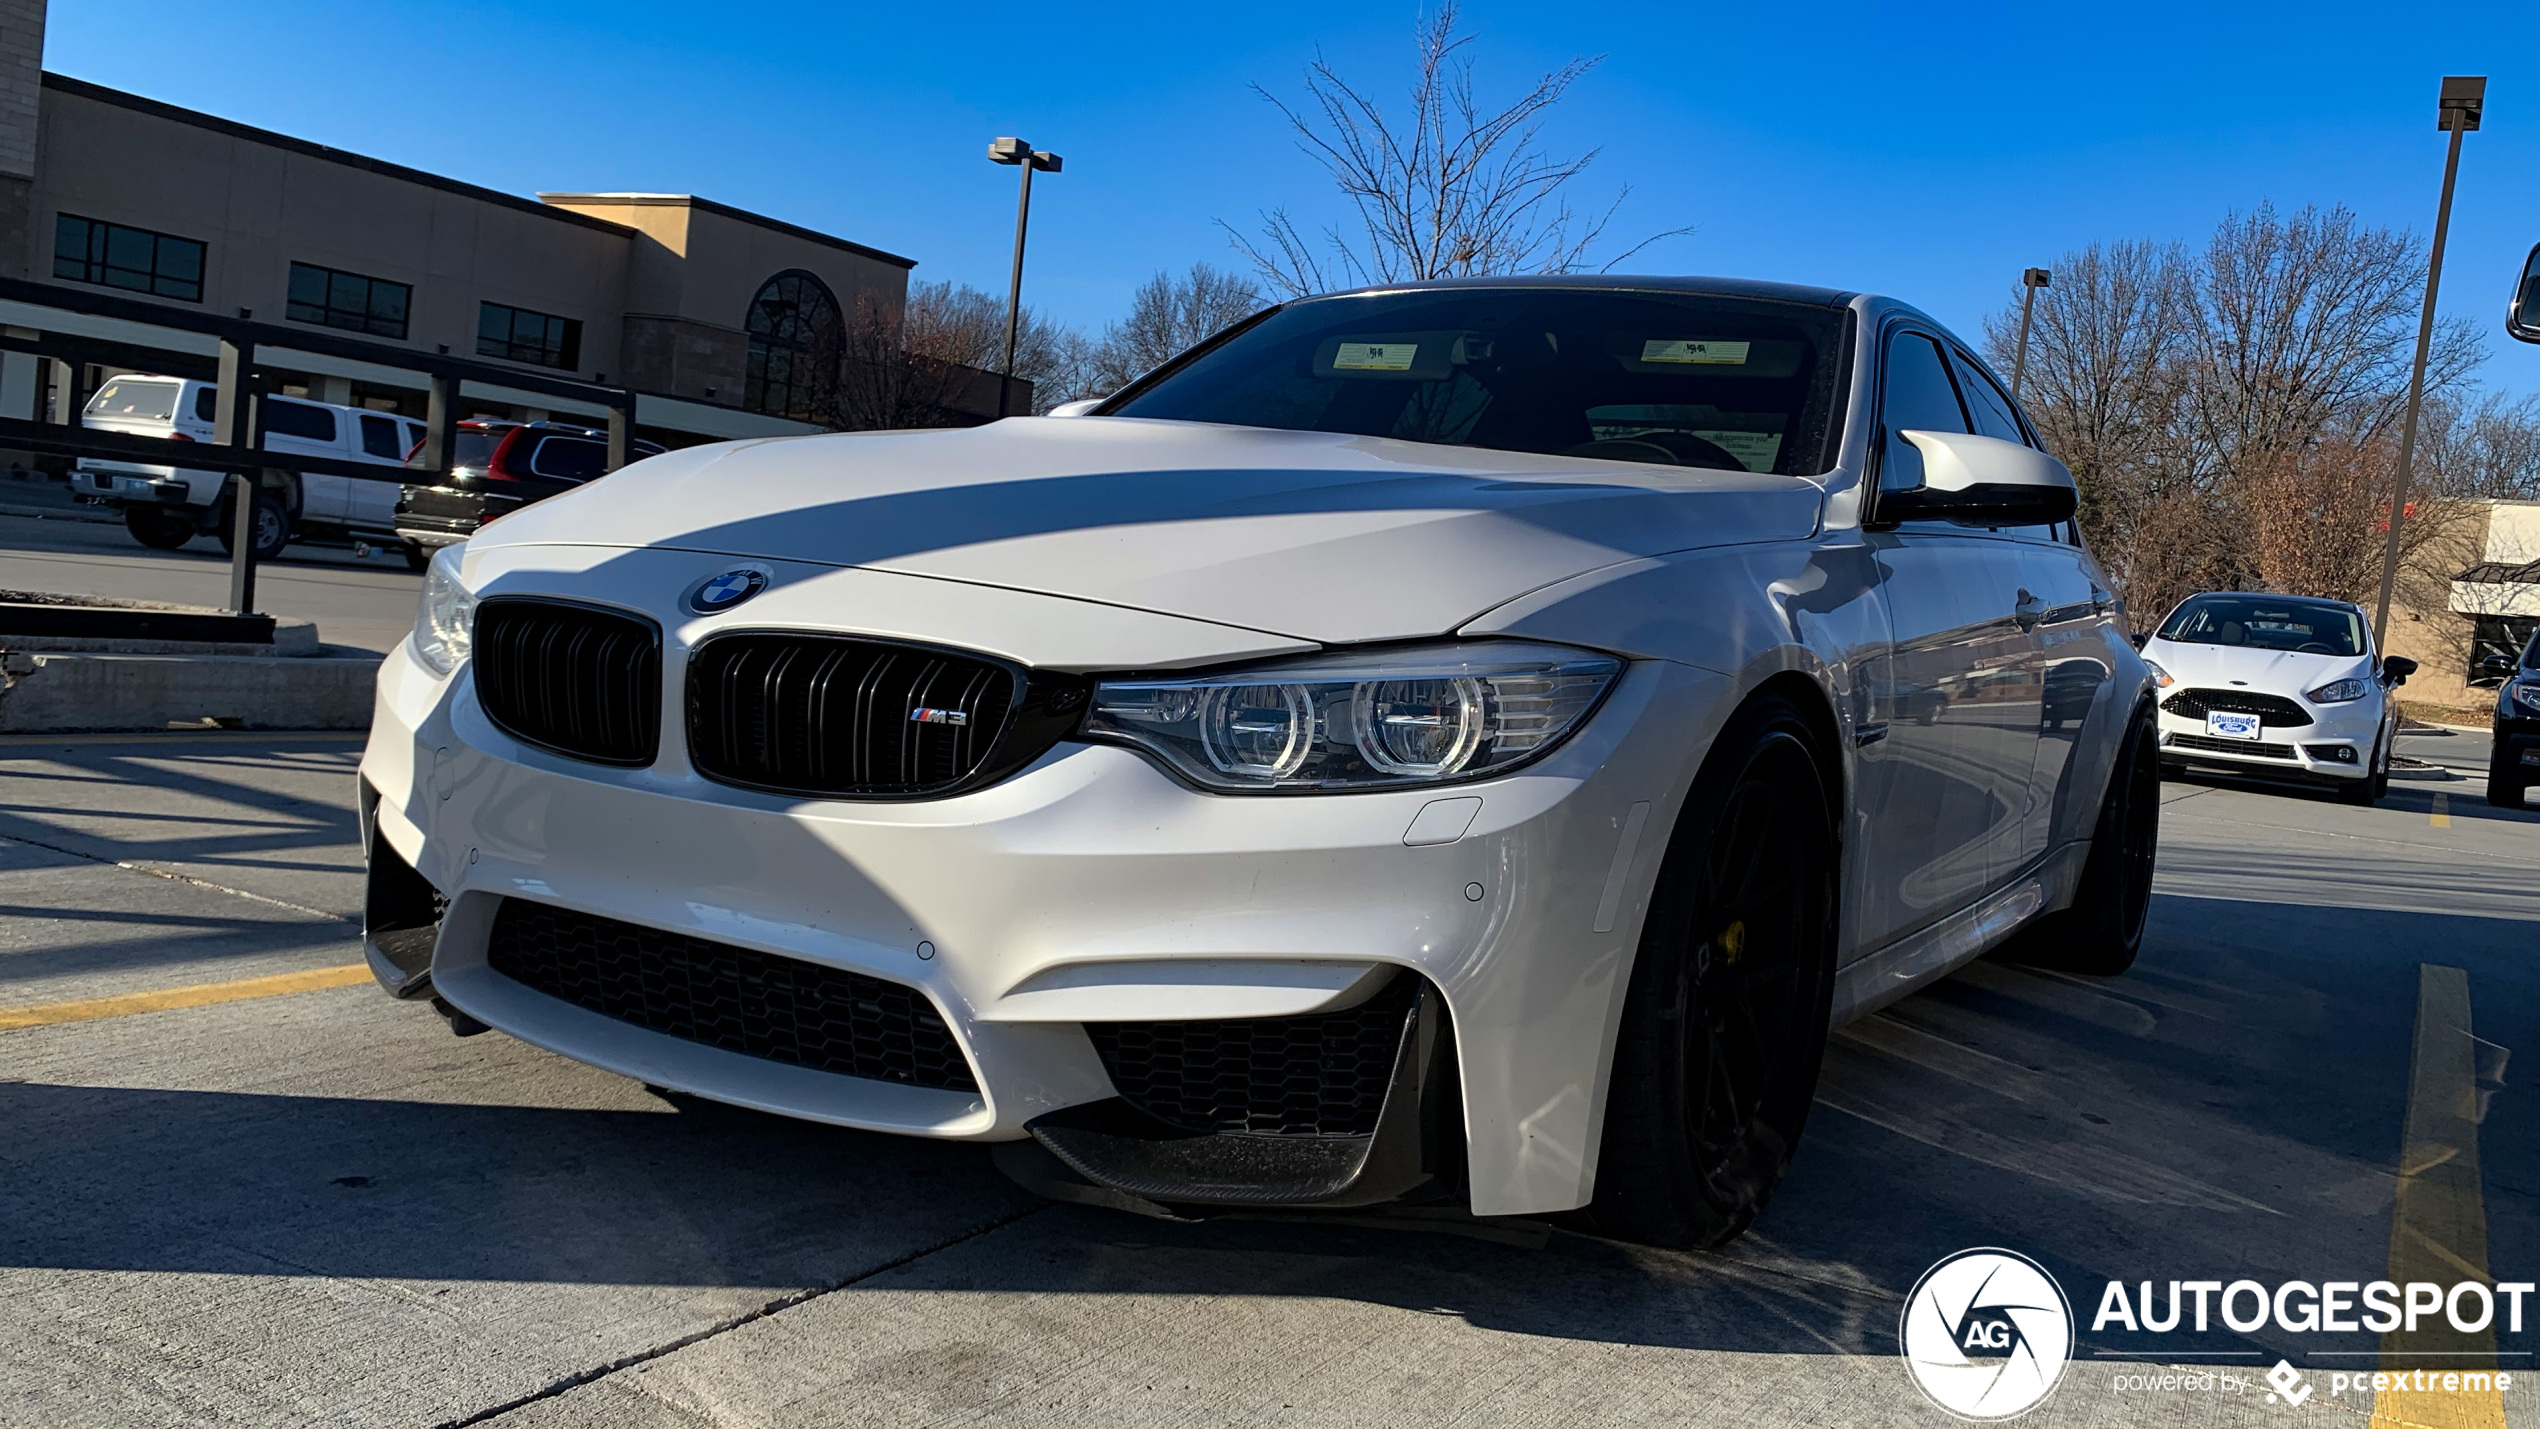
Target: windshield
x,y
2265,624
124,397
1668,379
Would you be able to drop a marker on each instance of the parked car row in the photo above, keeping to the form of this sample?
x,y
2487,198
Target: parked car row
x,y
499,466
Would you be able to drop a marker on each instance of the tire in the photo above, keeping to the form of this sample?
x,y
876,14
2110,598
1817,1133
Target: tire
x,y
2505,788
2102,931
273,528
159,530
417,558
2365,792
1724,1024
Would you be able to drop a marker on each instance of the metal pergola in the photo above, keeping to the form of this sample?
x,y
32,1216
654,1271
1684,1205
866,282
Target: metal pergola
x,y
237,446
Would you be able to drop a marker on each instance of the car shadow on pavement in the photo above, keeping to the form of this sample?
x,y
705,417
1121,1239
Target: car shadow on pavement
x,y
2229,1109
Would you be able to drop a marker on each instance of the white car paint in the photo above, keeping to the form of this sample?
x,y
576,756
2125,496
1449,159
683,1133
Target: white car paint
x,y
2364,726
1094,886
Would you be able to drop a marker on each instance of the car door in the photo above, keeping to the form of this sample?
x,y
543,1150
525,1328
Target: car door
x,y
1947,783
309,429
373,504
2070,619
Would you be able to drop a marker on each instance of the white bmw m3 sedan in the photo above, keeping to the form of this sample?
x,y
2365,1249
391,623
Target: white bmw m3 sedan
x,y
2277,685
1461,743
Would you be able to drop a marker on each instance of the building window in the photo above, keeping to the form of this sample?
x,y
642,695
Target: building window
x,y
519,335
113,256
347,300
794,334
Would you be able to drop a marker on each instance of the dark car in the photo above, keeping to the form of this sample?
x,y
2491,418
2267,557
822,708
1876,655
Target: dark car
x,y
2515,765
497,468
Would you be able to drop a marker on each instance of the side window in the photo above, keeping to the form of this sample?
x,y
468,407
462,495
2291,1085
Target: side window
x,y
379,438
569,459
413,437
206,404
1917,396
1990,406
299,419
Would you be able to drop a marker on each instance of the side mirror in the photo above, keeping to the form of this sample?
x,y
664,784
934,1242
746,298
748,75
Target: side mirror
x,y
1983,481
1077,408
2395,670
2522,315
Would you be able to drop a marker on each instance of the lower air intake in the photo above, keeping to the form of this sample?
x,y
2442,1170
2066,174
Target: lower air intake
x,y
757,1004
1323,1074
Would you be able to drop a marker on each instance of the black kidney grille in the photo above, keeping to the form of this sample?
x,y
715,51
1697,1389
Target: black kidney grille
x,y
819,714
569,678
782,1009
1323,1074
2276,710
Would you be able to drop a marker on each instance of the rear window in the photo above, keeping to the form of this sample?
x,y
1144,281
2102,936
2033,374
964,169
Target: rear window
x,y
1668,379
476,448
299,419
569,458
2264,624
126,397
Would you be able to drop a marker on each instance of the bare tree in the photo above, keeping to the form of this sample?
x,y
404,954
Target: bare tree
x,y
2226,410
1445,190
1168,316
931,362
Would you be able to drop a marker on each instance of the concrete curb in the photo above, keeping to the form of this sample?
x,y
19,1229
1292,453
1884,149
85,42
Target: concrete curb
x,y
47,692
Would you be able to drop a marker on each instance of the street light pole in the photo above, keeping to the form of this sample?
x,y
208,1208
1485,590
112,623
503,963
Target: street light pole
x,y
2030,282
1028,159
2457,110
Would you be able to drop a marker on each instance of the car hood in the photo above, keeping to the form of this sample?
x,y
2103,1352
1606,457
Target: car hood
x,y
2274,672
1319,536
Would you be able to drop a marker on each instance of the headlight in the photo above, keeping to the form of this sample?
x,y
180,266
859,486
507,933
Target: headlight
x,y
445,618
1377,720
2527,694
2338,692
2160,676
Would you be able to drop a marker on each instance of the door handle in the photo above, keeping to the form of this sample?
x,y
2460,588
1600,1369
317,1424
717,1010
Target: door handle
x,y
2029,610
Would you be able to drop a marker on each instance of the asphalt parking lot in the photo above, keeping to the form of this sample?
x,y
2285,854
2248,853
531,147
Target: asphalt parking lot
x,y
316,1205
359,604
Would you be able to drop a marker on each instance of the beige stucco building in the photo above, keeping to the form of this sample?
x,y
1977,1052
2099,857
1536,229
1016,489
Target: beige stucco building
x,y
720,318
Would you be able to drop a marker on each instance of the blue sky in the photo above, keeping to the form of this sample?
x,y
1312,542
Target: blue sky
x,y
1928,151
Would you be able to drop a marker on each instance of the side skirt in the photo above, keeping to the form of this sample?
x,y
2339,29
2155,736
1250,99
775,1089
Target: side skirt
x,y
1918,959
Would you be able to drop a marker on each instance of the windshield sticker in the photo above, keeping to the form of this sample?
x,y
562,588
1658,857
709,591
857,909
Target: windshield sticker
x,y
1376,356
1694,350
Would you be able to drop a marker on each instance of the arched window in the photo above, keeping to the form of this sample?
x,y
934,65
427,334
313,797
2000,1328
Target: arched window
x,y
794,332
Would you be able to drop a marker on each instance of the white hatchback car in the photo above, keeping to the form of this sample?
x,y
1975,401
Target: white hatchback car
x,y
2278,685
1462,742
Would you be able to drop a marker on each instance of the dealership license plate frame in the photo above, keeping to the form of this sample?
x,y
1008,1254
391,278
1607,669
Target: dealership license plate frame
x,y
2233,724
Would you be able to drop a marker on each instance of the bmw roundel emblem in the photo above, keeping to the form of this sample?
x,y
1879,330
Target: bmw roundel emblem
x,y
718,593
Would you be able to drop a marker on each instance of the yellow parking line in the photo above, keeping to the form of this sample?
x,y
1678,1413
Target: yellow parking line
x,y
2438,1222
201,994
2441,818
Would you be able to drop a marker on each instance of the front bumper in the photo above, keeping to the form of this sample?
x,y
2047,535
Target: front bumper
x,y
1090,888
2337,746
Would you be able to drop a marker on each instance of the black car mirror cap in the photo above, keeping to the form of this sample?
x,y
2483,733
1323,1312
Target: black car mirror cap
x,y
2395,670
2522,315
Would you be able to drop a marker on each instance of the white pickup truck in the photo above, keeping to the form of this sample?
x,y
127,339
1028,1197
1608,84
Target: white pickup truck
x,y
166,506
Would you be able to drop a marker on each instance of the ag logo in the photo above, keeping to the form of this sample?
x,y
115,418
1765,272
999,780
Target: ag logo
x,y
718,593
1986,1334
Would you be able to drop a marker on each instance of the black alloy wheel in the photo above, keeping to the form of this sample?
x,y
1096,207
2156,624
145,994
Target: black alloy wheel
x,y
2102,931
1724,1027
